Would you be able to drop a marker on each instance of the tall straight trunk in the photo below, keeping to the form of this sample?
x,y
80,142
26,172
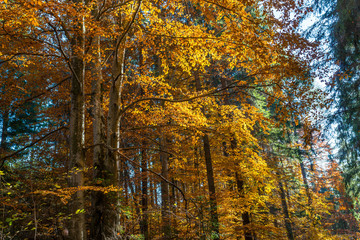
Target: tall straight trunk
x,y
124,180
77,134
4,130
245,215
144,228
154,195
284,205
172,203
111,204
239,182
164,186
98,152
306,184
165,210
305,181
214,218
144,221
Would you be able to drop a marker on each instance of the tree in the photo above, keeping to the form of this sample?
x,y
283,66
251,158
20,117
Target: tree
x,y
149,111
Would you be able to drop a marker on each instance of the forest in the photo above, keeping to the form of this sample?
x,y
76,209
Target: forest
x,y
179,119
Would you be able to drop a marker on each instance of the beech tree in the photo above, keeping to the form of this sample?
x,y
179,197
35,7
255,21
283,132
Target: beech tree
x,y
155,118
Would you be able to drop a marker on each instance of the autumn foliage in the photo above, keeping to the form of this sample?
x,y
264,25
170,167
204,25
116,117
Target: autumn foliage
x,y
152,119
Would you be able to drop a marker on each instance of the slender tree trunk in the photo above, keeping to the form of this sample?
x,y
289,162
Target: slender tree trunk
x,y
305,181
173,208
77,135
155,199
239,182
307,188
165,210
4,130
98,153
245,215
214,218
124,178
284,205
144,228
111,204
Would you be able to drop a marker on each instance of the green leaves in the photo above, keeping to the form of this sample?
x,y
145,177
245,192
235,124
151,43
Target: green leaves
x,y
79,211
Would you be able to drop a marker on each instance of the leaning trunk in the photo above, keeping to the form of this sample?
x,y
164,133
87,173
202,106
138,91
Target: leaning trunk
x,y
305,181
284,205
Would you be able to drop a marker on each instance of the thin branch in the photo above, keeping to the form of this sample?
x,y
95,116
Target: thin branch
x,y
103,10
27,54
3,159
64,55
155,173
127,29
44,92
128,148
149,170
189,98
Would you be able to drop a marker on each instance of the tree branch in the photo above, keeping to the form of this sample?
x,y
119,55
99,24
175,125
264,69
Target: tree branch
x,y
126,30
3,159
44,92
151,171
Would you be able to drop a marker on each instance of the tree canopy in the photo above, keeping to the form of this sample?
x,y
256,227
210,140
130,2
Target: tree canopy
x,y
152,119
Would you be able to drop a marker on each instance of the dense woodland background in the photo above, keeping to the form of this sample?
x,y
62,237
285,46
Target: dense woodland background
x,y
179,119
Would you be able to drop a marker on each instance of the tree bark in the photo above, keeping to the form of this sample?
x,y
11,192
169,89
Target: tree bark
x,y
305,181
239,182
98,152
111,204
245,215
144,228
165,210
77,134
214,218
4,130
284,205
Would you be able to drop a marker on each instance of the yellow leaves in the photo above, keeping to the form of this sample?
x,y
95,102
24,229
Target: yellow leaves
x,y
187,115
66,193
169,42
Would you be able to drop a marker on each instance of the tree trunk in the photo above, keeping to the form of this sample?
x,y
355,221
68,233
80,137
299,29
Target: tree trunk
x,y
77,135
211,184
98,152
284,205
239,182
111,204
305,181
165,210
245,215
214,218
173,207
4,130
144,228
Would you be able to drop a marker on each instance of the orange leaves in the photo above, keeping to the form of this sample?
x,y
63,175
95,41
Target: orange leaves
x,y
190,68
